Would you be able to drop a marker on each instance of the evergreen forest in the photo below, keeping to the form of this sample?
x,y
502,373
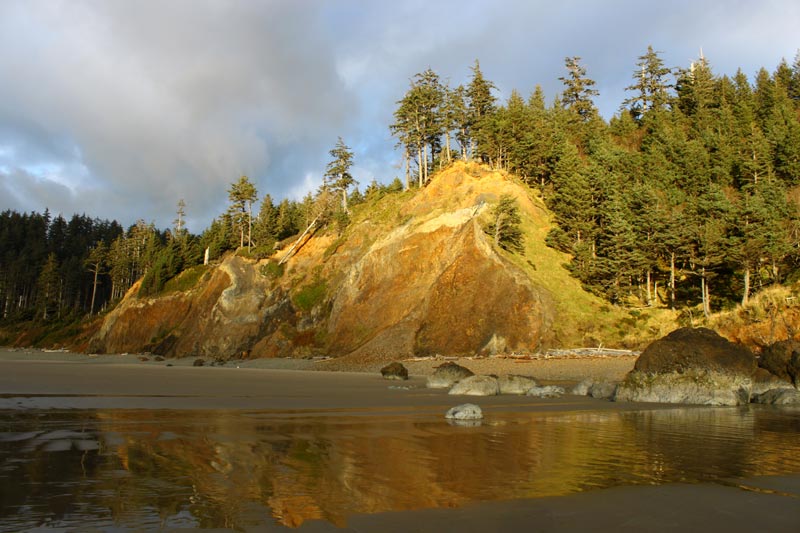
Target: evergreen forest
x,y
687,197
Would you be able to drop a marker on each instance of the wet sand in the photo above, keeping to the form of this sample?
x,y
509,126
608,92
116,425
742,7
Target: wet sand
x,y
667,508
38,380
43,380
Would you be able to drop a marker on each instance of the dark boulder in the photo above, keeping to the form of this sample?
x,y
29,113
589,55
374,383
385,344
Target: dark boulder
x,y
394,371
199,362
696,349
691,366
777,358
763,380
794,369
778,397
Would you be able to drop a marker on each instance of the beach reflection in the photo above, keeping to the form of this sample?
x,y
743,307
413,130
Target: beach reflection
x,y
160,469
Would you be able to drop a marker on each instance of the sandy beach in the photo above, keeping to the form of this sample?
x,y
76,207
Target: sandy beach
x,y
39,379
35,380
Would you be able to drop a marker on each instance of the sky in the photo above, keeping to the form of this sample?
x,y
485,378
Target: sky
x,y
118,109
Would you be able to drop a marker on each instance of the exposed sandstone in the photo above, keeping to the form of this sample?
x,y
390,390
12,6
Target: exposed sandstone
x,y
421,279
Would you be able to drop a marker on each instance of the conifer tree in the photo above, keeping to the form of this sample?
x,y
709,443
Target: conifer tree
x,y
504,226
49,285
96,263
481,107
337,173
242,194
650,85
578,93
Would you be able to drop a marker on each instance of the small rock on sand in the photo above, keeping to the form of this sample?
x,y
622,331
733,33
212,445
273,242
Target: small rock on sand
x,y
548,391
466,411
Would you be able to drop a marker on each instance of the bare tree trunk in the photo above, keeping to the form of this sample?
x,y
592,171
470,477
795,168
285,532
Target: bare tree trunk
x,y
419,165
672,281
94,289
706,293
249,225
746,292
649,294
447,146
425,160
406,161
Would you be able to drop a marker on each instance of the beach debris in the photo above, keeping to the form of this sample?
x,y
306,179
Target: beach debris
x,y
476,386
568,353
143,358
547,391
447,374
394,371
158,358
199,362
515,384
465,411
401,387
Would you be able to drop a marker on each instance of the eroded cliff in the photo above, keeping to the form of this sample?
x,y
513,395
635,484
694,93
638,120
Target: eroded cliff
x,y
414,273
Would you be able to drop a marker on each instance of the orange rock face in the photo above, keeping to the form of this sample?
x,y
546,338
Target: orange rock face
x,y
427,281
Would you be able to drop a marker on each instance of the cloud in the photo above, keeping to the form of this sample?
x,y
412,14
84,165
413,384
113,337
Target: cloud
x,y
126,107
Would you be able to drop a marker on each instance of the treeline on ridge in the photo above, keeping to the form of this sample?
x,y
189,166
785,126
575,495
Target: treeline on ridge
x,y
687,197
690,191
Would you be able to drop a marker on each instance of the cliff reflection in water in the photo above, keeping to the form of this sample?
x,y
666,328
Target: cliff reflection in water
x,y
150,469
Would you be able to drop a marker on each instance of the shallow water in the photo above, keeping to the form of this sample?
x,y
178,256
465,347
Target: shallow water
x,y
161,469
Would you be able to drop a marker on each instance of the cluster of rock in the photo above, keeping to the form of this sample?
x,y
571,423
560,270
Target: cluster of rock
x,y
463,382
698,366
688,366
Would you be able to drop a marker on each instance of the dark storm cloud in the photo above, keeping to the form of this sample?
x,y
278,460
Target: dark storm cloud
x,y
120,108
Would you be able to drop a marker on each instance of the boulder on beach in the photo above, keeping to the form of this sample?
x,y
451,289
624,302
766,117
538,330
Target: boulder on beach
x,y
695,349
514,384
394,371
695,387
447,374
595,388
199,362
778,359
763,381
466,411
782,396
476,386
548,391
690,366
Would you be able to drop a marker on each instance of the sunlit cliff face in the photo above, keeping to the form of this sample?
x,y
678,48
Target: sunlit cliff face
x,y
409,272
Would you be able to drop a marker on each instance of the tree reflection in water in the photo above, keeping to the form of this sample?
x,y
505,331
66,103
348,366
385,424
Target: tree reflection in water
x,y
154,469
